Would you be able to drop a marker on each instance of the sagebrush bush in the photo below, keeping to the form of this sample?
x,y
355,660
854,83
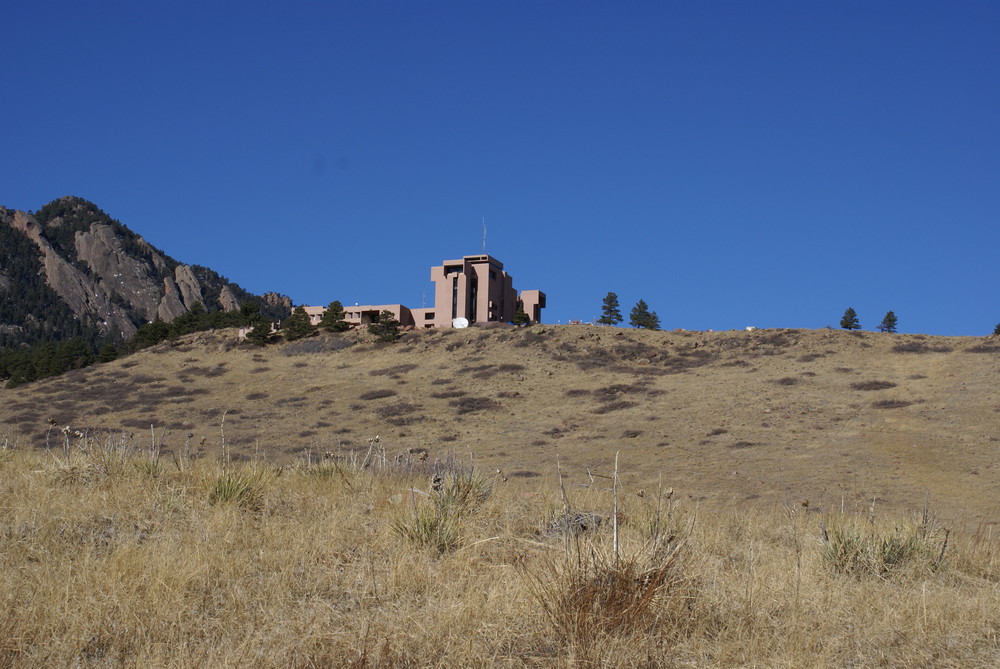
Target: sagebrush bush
x,y
873,385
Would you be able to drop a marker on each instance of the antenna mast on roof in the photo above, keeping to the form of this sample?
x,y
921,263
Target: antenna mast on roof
x,y
484,235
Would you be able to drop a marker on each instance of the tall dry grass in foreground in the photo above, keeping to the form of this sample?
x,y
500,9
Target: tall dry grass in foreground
x,y
122,559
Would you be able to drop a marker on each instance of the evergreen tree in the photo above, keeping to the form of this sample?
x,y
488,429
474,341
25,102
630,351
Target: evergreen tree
x,y
385,327
850,320
192,320
996,330
642,317
108,353
260,334
297,325
150,334
520,318
71,354
249,313
888,323
333,318
611,314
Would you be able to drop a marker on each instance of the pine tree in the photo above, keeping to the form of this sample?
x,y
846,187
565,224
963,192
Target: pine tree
x,y
520,317
249,313
996,330
611,314
260,332
297,325
385,327
888,323
333,318
108,353
850,320
642,317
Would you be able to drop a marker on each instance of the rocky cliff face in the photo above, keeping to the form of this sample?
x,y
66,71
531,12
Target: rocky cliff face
x,y
87,299
108,277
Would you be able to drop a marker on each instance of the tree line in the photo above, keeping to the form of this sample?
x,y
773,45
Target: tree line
x,y
641,315
385,327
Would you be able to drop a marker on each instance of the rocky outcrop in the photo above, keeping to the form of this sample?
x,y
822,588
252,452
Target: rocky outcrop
x,y
98,274
180,293
131,279
189,287
277,300
83,295
228,300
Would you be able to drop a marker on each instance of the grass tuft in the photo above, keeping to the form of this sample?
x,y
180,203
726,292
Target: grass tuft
x,y
242,488
860,549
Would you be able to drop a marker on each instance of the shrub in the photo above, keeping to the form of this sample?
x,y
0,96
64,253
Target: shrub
x,y
891,404
466,405
448,394
592,595
613,406
326,344
873,385
400,413
919,347
377,394
983,348
393,371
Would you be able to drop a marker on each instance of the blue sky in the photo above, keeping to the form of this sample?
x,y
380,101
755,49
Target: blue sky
x,y
731,163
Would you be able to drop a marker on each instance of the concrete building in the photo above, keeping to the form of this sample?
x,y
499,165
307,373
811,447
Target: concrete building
x,y
475,288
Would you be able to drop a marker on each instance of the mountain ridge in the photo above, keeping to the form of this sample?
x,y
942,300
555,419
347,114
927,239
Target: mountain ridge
x,y
85,274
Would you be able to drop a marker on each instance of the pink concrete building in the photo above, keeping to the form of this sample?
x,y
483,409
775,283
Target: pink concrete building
x,y
475,288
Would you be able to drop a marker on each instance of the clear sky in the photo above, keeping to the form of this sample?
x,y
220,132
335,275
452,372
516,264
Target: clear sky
x,y
731,163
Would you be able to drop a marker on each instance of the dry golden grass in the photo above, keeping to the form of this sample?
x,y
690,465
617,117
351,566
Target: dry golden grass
x,y
764,418
117,560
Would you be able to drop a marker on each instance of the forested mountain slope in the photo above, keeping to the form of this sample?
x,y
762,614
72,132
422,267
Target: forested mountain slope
x,y
70,270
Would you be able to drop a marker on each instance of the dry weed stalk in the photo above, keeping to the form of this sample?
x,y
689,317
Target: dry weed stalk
x,y
597,592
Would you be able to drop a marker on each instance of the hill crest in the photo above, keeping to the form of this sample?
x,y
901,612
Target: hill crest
x,y
729,418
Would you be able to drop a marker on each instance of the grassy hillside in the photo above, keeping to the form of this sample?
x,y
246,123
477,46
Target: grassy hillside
x,y
764,418
782,498
115,558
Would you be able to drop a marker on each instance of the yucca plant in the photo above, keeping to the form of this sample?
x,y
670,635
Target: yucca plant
x,y
429,526
463,492
873,551
245,488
